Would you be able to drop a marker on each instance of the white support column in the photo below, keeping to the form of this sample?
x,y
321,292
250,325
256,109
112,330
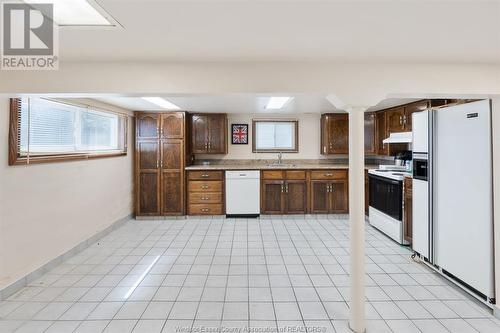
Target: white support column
x,y
357,218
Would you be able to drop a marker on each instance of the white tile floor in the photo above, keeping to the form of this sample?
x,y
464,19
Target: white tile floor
x,y
279,272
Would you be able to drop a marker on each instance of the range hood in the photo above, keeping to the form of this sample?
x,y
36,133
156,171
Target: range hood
x,y
403,137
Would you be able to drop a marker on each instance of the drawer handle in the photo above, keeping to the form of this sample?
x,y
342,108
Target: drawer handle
x,y
204,198
205,210
328,174
205,175
204,187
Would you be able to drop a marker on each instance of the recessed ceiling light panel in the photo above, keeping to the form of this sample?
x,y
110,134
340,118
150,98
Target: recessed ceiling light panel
x,y
161,102
276,103
78,13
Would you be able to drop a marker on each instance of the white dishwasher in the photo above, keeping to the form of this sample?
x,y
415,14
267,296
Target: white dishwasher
x,y
243,193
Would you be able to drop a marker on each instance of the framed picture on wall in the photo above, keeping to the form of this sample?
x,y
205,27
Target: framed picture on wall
x,y
240,134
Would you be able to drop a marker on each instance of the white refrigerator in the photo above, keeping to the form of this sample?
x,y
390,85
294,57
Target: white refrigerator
x,y
460,196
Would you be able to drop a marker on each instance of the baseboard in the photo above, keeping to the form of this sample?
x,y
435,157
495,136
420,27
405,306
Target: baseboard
x,y
24,281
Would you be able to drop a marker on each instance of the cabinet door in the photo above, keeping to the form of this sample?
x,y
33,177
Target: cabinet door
x,y
172,177
367,193
338,128
395,120
410,109
217,136
199,129
272,197
296,196
370,133
147,125
381,133
339,197
172,125
408,211
320,198
147,178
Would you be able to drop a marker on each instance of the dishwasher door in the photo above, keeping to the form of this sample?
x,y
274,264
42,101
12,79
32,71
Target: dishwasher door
x,y
243,193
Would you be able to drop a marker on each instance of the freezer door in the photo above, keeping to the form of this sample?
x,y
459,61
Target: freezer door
x,y
420,218
420,126
462,184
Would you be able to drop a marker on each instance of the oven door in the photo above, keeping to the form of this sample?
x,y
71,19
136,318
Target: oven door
x,y
386,195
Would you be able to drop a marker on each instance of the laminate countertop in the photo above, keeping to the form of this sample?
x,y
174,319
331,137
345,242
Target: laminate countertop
x,y
284,166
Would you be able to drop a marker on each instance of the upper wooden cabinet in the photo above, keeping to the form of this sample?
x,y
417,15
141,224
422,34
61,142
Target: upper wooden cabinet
x,y
160,125
209,133
395,120
147,125
370,130
380,133
410,109
334,133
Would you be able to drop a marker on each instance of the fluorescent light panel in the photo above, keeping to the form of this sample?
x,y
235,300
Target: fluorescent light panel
x,y
161,102
277,102
75,12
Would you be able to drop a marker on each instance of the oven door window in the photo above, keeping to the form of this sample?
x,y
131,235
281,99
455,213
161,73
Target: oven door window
x,y
386,195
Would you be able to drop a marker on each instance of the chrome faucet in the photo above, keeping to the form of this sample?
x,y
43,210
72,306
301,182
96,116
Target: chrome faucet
x,y
280,158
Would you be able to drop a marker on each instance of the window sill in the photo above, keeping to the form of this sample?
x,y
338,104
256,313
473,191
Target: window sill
x,y
64,158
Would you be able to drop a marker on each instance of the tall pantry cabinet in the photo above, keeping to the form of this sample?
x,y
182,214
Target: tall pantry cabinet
x,y
160,157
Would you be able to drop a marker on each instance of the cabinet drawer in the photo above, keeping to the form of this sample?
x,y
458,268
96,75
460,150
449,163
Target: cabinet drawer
x,y
204,198
205,186
329,174
295,174
205,175
272,174
205,209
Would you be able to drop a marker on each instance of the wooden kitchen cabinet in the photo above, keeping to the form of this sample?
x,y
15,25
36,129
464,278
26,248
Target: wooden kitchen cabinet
x,y
209,133
408,209
395,120
370,134
334,133
284,192
381,133
160,155
329,191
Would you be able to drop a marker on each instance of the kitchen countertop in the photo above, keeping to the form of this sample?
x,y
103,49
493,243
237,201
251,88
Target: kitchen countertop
x,y
257,166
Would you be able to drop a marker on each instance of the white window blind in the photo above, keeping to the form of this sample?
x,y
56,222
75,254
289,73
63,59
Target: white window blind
x,y
275,135
48,127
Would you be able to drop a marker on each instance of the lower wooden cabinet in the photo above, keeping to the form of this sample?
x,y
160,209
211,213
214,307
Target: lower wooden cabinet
x,y
329,197
206,193
408,210
367,193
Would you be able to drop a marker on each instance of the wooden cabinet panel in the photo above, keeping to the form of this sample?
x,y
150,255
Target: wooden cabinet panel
x,y
381,133
370,146
147,155
172,154
408,210
172,125
199,134
329,174
217,135
295,174
296,197
335,133
206,209
272,174
339,197
206,175
148,195
204,186
410,109
172,190
395,120
320,198
147,125
272,197
200,197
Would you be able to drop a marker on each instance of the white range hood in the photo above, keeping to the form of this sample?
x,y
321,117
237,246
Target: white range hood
x,y
403,137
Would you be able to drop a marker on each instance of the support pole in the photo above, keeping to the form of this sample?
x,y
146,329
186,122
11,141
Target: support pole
x,y
357,218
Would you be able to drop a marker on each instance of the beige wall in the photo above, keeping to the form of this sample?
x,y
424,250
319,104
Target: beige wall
x,y
47,209
309,138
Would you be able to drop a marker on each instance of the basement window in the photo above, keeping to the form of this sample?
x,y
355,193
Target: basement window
x,y
44,130
275,136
